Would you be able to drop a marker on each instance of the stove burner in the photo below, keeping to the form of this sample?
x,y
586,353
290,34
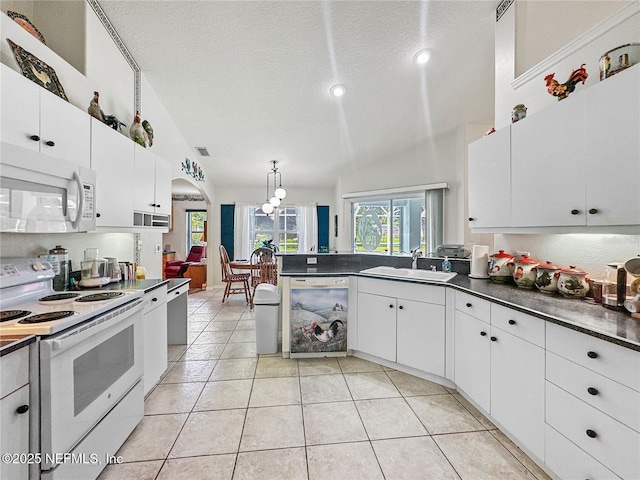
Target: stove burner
x,y
47,317
7,315
96,297
58,296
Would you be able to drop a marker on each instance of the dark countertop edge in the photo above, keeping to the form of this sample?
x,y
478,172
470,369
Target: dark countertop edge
x,y
17,344
175,283
146,285
536,313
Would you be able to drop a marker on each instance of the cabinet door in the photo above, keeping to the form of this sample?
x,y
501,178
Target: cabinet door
x,y
155,345
489,180
420,336
20,99
145,174
517,388
548,166
112,159
613,166
472,358
163,187
14,435
377,325
65,131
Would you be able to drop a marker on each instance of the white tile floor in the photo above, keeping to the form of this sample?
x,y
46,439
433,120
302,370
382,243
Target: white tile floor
x,y
223,412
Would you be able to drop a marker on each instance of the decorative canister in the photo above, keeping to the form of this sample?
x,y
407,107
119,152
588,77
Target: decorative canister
x,y
499,269
618,59
518,113
547,277
524,271
573,282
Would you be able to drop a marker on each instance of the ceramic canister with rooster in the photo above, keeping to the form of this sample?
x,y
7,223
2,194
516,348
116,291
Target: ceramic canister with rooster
x,y
573,282
524,271
499,269
547,277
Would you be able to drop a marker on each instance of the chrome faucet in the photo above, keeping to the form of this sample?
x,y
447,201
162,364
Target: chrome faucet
x,y
414,258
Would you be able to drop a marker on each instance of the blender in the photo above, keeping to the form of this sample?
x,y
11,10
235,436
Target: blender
x,y
614,288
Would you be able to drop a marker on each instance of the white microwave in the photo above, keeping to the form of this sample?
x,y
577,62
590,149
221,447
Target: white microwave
x,y
43,194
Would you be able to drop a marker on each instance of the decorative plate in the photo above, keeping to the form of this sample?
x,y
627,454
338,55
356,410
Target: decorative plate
x,y
26,24
37,71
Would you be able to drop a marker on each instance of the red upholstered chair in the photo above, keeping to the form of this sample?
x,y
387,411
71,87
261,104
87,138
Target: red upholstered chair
x,y
176,268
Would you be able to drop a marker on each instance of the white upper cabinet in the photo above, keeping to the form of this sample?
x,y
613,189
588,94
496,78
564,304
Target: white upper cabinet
x,y
152,189
112,159
36,119
145,175
162,187
489,182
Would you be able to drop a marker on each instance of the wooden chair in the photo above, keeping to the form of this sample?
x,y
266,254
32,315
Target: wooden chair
x,y
264,268
231,278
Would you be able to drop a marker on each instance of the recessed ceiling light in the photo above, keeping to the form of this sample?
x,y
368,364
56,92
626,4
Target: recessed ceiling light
x,y
421,57
338,90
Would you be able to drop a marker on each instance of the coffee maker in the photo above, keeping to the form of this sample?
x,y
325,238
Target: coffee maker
x,y
614,288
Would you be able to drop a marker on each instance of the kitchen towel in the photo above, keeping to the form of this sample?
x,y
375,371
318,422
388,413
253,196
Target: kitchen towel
x,y
479,261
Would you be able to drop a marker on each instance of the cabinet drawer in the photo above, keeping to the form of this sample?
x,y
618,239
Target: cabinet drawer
x,y
474,306
568,461
607,440
406,290
175,293
15,371
613,361
155,298
519,324
610,397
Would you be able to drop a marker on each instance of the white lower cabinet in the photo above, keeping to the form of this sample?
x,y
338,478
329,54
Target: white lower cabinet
x,y
154,323
403,323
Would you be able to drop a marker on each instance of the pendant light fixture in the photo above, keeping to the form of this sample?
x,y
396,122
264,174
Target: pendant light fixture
x,y
278,192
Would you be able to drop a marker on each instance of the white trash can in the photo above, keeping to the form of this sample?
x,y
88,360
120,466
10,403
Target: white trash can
x,y
266,302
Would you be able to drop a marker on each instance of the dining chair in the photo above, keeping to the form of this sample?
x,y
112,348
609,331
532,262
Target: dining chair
x,y
264,268
231,278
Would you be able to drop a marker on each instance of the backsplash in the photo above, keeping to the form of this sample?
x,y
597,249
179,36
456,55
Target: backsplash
x,y
589,252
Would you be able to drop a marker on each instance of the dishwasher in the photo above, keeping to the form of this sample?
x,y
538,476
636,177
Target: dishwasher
x,y
318,312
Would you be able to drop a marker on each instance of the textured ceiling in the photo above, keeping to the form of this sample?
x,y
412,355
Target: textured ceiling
x,y
250,80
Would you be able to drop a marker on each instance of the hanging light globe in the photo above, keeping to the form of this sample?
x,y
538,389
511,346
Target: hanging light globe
x,y
275,201
280,193
267,208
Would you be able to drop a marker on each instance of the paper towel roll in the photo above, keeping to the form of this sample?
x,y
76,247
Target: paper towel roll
x,y
479,261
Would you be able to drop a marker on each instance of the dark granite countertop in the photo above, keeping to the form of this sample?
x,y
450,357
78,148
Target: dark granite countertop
x,y
11,343
146,285
176,283
580,315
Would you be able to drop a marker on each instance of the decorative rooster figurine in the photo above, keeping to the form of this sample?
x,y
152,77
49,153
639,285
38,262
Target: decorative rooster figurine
x,y
138,133
94,108
562,90
149,129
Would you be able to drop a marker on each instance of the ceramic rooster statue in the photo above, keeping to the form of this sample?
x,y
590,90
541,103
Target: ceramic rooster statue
x,y
147,128
94,108
138,133
562,90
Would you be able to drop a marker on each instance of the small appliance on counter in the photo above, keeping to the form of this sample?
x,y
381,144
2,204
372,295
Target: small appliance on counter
x,y
59,259
94,273
453,251
614,288
113,269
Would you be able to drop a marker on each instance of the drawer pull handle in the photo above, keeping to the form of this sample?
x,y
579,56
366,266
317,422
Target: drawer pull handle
x,y
154,299
575,212
591,354
400,307
22,409
35,138
484,334
512,322
469,305
592,391
50,143
593,211
591,433
390,306
471,219
494,339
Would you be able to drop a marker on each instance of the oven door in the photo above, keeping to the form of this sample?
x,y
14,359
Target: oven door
x,y
84,372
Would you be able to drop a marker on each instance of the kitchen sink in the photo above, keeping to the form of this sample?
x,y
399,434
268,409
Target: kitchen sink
x,y
409,273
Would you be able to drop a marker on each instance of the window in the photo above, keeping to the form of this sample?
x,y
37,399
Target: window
x,y
398,223
281,226
196,220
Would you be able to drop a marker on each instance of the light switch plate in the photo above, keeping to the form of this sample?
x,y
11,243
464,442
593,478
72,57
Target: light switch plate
x,y
158,248
312,260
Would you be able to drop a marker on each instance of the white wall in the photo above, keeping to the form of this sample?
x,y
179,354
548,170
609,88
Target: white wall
x,y
591,252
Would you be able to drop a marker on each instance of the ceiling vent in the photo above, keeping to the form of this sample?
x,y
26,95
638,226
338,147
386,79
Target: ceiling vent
x,y
203,151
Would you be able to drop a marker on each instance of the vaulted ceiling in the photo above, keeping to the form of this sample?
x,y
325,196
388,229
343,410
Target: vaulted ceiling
x,y
250,80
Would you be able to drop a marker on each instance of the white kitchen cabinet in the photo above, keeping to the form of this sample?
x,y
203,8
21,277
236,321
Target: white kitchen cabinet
x,y
420,335
112,159
154,326
377,325
35,118
489,180
14,411
152,197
